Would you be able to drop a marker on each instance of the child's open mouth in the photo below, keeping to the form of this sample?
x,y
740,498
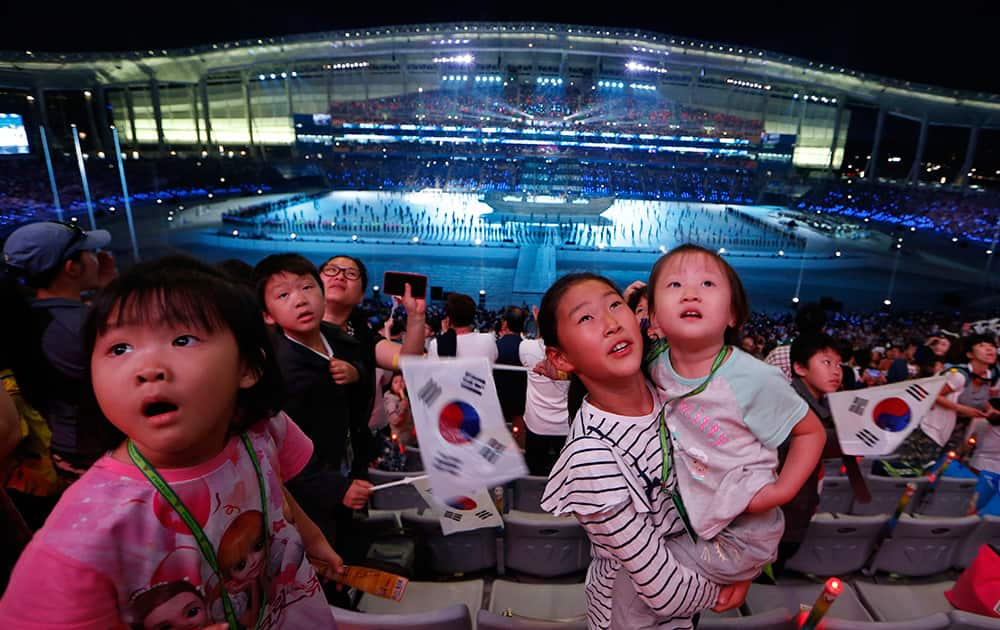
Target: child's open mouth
x,y
690,314
620,347
158,408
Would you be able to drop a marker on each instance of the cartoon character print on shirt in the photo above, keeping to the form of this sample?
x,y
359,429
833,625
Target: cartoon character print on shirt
x,y
177,605
243,564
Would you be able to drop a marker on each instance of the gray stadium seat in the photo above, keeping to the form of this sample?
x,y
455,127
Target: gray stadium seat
x,y
961,620
886,492
764,597
904,602
923,545
451,618
776,619
837,544
411,459
833,467
487,620
400,497
937,621
950,497
547,602
425,597
528,493
462,552
836,495
988,532
544,545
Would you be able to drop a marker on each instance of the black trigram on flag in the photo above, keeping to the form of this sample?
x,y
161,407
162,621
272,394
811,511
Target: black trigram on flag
x,y
447,463
918,392
858,406
484,514
867,437
429,392
473,383
492,450
455,516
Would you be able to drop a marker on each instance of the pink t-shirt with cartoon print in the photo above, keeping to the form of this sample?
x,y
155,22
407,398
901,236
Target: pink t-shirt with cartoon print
x,y
114,554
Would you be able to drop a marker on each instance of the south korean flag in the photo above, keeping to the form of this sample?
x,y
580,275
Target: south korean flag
x,y
461,513
464,441
875,421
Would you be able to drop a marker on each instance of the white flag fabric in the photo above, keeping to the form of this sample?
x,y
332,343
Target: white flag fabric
x,y
461,513
876,420
464,441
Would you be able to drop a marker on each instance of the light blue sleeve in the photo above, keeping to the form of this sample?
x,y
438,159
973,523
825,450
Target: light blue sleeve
x,y
771,408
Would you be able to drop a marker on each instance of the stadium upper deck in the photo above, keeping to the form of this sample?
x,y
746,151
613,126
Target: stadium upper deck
x,y
245,93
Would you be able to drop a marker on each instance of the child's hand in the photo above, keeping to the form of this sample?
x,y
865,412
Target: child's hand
x,y
357,495
768,497
731,596
343,373
325,561
632,288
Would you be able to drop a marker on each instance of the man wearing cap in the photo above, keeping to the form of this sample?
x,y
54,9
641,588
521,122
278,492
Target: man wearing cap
x,y
60,262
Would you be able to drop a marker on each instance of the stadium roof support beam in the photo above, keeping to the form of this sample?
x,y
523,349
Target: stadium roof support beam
x,y
836,133
871,168
203,88
154,93
88,102
914,174
962,177
104,125
245,84
43,115
130,111
195,113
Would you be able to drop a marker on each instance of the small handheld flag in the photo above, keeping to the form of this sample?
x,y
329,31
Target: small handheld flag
x,y
464,440
875,421
475,510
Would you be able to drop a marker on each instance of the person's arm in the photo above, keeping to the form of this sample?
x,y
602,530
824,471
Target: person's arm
x,y
328,563
807,440
669,588
965,411
10,425
387,353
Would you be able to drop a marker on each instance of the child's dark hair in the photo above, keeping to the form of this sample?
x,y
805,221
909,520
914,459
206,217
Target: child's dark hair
x,y
809,344
357,261
181,290
282,263
739,303
974,340
547,328
636,296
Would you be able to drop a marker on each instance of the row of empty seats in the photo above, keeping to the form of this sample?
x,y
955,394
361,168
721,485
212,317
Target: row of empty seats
x,y
950,496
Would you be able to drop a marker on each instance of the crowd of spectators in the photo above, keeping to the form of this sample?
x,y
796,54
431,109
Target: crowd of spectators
x,y
971,215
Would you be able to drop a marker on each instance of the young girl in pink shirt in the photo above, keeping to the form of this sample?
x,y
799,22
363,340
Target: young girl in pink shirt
x,y
184,523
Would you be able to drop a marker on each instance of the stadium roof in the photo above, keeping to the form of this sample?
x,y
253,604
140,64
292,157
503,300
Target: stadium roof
x,y
941,106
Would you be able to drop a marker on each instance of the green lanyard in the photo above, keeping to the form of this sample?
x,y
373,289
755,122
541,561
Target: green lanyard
x,y
667,449
204,544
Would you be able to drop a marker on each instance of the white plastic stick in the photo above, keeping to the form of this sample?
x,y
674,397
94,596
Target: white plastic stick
x,y
401,482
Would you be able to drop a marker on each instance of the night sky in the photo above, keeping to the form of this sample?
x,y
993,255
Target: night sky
x,y
951,44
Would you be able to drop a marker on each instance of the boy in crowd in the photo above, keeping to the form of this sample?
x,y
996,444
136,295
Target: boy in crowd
x,y
322,368
816,368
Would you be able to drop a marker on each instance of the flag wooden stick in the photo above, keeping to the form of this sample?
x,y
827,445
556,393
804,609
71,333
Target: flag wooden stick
x,y
401,482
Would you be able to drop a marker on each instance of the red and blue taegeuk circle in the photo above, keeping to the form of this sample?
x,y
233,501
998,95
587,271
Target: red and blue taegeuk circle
x,y
458,422
892,414
461,503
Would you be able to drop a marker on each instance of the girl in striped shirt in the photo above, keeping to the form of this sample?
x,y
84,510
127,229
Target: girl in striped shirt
x,y
611,473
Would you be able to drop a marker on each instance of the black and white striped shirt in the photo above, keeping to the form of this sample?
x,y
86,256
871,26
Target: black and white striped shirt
x,y
608,476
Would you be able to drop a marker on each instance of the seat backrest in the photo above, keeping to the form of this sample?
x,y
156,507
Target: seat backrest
x,y
937,621
528,493
545,601
401,497
950,496
544,545
987,532
777,619
886,492
923,545
837,544
461,552
455,617
412,460
836,495
486,620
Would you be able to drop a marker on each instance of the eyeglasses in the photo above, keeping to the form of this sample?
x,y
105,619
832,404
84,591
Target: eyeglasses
x,y
332,271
